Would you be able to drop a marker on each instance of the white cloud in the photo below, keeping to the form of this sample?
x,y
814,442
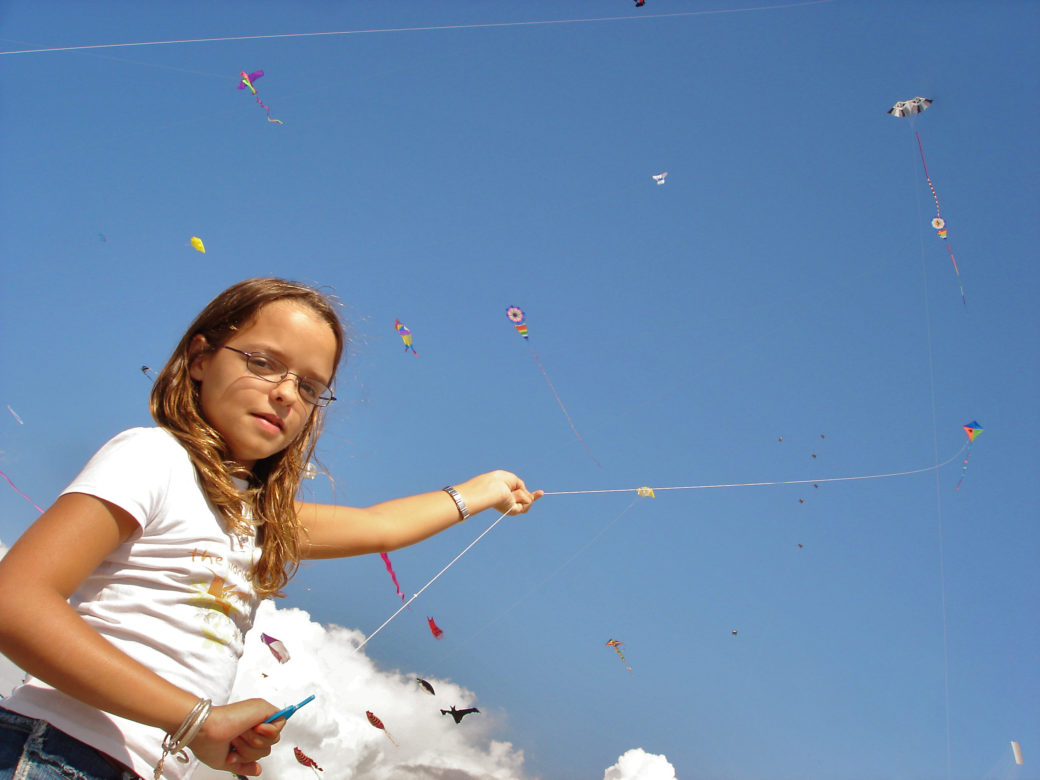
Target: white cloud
x,y
333,729
637,764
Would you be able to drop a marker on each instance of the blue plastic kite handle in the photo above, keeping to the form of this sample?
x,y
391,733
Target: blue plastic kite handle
x,y
288,711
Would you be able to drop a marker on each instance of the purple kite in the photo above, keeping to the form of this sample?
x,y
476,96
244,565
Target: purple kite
x,y
247,82
276,647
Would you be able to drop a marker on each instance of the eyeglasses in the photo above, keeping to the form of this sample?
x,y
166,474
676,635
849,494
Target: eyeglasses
x,y
274,370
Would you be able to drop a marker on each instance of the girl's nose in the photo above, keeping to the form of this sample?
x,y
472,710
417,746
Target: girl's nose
x,y
287,391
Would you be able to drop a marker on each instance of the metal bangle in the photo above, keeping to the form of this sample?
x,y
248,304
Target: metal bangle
x,y
463,509
189,729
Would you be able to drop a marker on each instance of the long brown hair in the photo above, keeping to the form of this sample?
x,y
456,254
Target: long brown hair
x,y
267,502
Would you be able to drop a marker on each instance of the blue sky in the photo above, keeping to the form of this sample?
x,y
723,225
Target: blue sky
x,y
783,282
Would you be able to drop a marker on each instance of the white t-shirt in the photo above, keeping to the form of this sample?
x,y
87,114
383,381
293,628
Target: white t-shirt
x,y
175,596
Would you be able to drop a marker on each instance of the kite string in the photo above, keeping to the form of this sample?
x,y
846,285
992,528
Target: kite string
x,y
935,455
935,197
938,216
416,595
708,12
563,408
766,484
487,530
19,492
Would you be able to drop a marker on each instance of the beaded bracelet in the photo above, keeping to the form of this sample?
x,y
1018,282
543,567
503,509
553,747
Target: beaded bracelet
x,y
189,729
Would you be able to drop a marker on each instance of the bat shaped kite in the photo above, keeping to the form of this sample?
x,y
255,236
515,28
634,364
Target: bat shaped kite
x,y
459,714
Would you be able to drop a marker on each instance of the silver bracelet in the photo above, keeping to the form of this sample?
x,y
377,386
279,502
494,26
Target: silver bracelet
x,y
189,729
463,509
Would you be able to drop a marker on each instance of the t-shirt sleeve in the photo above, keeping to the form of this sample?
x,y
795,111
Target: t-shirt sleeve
x,y
131,470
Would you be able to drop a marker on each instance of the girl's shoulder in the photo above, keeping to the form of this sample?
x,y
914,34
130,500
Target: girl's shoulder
x,y
137,470
150,436
141,448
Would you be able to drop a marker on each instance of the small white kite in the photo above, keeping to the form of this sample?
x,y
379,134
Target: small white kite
x,y
659,177
907,107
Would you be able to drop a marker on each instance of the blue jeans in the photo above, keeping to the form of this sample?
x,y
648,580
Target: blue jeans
x,y
33,749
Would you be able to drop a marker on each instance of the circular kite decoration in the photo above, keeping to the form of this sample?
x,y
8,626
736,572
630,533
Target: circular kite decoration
x,y
938,223
515,314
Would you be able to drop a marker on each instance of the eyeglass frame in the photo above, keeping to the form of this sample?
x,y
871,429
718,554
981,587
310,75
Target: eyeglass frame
x,y
287,373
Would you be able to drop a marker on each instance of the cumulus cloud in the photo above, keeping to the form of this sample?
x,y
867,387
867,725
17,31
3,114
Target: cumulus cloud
x,y
637,764
333,729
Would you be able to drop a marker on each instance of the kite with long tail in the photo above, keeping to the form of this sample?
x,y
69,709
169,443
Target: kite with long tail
x,y
306,760
973,430
617,649
247,82
375,721
939,223
909,108
518,318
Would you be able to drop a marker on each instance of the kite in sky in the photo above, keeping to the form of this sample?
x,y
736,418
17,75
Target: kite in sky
x,y
640,3
14,414
437,633
149,373
617,649
379,725
276,647
518,318
645,492
197,245
389,568
973,431
660,177
406,336
459,714
306,760
247,82
425,686
909,108
1016,749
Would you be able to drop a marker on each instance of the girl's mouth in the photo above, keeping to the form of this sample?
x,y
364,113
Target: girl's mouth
x,y
269,423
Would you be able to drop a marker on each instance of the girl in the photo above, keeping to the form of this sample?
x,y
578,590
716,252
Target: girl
x,y
127,600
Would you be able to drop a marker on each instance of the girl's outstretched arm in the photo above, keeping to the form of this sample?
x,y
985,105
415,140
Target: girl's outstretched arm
x,y
43,634
338,531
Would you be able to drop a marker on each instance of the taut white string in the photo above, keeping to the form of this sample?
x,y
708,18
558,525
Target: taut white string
x,y
487,530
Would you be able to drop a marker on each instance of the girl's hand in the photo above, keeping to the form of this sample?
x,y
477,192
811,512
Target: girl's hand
x,y
234,737
503,490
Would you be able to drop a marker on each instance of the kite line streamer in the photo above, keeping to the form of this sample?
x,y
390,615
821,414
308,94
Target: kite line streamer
x,y
939,223
910,108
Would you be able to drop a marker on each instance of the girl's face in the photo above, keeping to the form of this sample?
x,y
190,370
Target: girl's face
x,y
258,418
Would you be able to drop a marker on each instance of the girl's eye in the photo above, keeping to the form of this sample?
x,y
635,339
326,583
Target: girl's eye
x,y
262,362
309,390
